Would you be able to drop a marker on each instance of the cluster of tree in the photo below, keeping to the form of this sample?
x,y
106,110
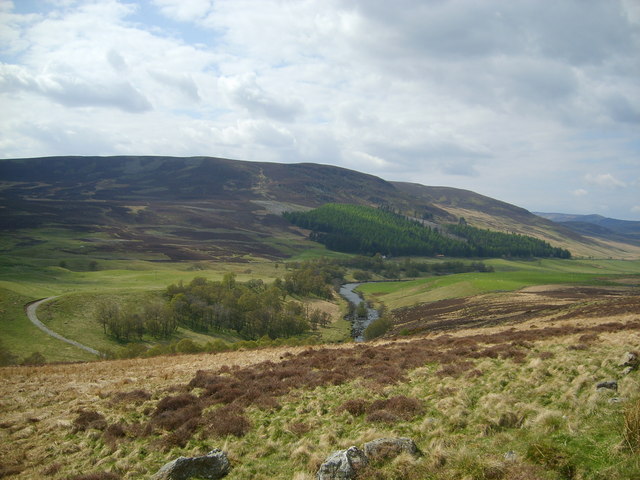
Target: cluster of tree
x,y
367,231
134,321
364,267
252,309
319,277
488,243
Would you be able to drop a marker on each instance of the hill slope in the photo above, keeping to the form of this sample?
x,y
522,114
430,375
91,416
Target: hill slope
x,y
514,401
486,212
598,226
169,208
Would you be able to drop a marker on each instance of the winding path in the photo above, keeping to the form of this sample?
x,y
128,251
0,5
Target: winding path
x,y
31,313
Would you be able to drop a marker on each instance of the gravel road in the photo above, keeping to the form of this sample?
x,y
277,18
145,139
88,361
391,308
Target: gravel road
x,y
31,313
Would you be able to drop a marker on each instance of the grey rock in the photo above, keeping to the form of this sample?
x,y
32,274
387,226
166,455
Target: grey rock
x,y
385,448
630,360
610,385
211,466
342,465
616,400
511,456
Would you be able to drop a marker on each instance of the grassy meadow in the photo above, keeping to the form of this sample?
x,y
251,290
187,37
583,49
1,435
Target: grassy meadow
x,y
509,275
50,262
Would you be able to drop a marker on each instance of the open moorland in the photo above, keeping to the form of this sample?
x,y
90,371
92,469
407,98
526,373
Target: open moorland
x,y
517,401
491,365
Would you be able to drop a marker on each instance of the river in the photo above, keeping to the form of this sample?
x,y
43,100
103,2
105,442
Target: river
x,y
358,324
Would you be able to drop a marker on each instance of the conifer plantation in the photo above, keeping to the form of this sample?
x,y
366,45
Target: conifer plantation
x,y
367,231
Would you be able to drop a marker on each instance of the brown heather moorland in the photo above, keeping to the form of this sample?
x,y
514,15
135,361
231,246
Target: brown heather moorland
x,y
510,398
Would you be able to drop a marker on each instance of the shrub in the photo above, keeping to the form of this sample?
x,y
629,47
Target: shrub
x,y
394,409
113,433
355,406
36,358
187,345
377,328
132,350
228,421
174,419
383,416
87,419
175,403
299,428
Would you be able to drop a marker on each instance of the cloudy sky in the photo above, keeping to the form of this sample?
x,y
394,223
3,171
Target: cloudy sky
x,y
533,102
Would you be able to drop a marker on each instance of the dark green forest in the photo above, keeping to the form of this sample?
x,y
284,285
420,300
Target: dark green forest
x,y
367,231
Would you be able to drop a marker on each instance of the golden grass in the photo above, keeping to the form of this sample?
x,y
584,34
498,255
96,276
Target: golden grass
x,y
457,411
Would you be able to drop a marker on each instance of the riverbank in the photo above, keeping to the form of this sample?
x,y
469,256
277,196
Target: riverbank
x,y
358,323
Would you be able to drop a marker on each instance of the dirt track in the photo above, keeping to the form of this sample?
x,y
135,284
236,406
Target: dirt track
x,y
31,313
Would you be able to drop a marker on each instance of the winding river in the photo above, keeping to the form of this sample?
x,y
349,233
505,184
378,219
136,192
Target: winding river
x,y
358,324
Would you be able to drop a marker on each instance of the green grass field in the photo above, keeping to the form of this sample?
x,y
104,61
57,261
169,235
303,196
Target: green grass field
x,y
508,276
50,262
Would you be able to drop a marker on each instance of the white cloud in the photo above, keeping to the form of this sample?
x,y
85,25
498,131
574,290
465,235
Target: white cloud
x,y
604,180
244,91
185,10
510,99
580,192
635,209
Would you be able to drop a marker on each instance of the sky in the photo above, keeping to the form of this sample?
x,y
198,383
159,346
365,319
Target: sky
x,y
536,103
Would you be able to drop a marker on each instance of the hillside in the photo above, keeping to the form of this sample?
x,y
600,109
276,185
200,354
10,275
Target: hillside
x,y
167,208
367,231
486,212
598,226
514,401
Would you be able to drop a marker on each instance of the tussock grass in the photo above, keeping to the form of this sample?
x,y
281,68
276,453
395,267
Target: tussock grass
x,y
499,403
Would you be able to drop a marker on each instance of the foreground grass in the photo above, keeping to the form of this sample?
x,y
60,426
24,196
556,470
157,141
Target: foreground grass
x,y
484,404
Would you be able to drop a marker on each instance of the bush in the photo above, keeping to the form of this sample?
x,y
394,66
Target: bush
x,y
355,406
36,358
228,421
87,419
187,345
377,328
132,350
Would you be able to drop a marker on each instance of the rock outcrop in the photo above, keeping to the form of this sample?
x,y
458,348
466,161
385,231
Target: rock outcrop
x,y
609,384
387,448
342,465
345,464
212,466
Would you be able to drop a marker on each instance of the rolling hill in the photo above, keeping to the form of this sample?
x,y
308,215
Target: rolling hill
x,y
201,208
598,226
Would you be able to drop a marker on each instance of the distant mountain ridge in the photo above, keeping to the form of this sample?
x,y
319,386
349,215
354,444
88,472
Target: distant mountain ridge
x,y
598,226
207,207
